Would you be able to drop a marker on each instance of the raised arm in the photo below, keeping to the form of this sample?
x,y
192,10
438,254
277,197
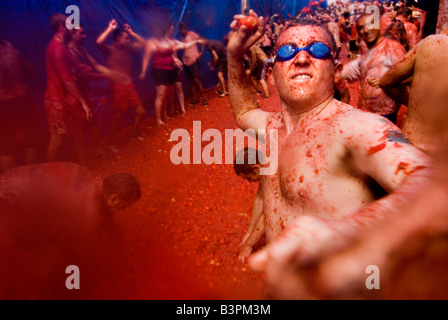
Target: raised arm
x,y
244,105
101,40
140,44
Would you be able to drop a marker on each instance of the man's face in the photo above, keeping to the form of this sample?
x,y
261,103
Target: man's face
x,y
67,34
123,39
369,34
79,36
304,80
183,32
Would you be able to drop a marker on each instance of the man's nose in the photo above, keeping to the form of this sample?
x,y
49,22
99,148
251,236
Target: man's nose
x,y
302,58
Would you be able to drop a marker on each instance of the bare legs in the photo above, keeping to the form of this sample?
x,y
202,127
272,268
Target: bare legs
x,y
198,84
160,103
140,113
180,95
222,82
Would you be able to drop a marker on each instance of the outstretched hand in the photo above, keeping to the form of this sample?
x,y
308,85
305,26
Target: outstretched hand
x,y
287,261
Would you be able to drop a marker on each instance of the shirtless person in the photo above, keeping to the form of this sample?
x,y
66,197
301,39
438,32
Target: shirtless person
x,y
119,57
66,108
18,121
328,152
425,65
411,241
383,53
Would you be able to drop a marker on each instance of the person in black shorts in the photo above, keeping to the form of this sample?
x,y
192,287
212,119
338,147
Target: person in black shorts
x,y
218,53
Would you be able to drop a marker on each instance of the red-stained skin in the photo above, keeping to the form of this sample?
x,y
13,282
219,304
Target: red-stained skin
x,y
428,91
375,149
375,63
310,152
317,174
305,93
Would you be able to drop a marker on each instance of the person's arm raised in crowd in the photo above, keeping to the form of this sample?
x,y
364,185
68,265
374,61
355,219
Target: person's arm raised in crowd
x,y
244,105
140,44
101,40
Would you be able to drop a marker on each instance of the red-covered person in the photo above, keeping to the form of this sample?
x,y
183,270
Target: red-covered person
x,y
124,96
321,197
67,110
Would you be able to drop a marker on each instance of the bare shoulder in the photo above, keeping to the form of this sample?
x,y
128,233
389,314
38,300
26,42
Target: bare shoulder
x,y
151,44
433,51
357,127
433,41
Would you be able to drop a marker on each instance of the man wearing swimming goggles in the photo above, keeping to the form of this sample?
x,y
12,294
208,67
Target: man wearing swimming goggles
x,y
321,196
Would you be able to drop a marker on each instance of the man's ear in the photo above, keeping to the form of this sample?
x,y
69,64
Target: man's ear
x,y
338,69
113,200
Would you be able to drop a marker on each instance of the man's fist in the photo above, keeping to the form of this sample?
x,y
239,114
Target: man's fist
x,y
113,24
127,28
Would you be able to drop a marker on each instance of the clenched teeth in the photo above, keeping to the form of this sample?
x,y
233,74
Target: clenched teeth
x,y
302,76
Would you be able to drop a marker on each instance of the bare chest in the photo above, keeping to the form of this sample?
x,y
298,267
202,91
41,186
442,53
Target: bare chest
x,y
305,161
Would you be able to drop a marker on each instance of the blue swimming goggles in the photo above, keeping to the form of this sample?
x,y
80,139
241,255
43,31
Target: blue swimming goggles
x,y
317,50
